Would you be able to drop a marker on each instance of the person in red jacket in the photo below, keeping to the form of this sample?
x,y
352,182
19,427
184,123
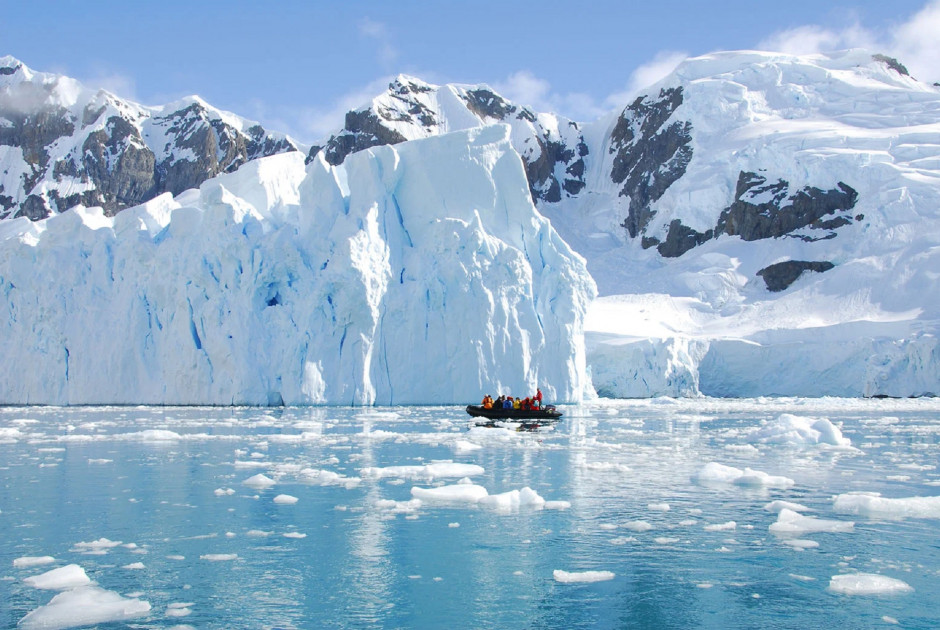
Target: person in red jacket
x,y
538,397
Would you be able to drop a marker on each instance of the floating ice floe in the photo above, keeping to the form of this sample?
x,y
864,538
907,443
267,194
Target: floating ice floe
x,y
83,606
219,557
327,478
638,526
721,527
867,584
60,579
435,470
873,505
776,506
134,566
179,609
790,523
790,429
472,494
32,561
715,473
259,481
95,547
581,577
285,499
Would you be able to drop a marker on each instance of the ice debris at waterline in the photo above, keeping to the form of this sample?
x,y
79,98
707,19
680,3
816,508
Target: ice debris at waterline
x,y
294,284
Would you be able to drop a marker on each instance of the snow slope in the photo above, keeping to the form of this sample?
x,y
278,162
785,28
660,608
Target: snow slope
x,y
412,274
730,286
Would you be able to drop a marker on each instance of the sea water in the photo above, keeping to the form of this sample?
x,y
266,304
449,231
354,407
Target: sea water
x,y
767,513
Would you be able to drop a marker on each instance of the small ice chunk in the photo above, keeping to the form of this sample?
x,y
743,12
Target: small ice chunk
x,y
222,492
219,557
83,606
99,546
464,446
872,505
638,526
513,500
32,561
867,584
721,527
257,533
152,435
453,525
715,473
790,523
581,577
658,507
297,535
285,499
59,579
259,481
776,506
557,505
436,470
457,493
791,429
801,543
134,566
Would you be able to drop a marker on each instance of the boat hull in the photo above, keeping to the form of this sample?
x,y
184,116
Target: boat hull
x,y
547,414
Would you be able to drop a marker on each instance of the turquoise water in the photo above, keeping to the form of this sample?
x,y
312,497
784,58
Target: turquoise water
x,y
207,551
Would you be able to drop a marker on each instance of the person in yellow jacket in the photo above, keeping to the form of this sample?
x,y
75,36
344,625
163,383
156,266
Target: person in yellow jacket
x,y
517,404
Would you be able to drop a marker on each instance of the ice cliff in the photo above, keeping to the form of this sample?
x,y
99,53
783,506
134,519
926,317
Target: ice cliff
x,y
420,273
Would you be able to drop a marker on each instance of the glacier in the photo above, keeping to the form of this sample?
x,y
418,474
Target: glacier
x,y
417,273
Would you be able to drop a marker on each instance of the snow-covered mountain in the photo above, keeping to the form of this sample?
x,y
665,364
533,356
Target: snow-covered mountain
x,y
778,230
756,223
63,145
552,147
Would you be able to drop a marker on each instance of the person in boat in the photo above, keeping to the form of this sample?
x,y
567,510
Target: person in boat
x,y
498,404
517,404
507,404
487,402
538,397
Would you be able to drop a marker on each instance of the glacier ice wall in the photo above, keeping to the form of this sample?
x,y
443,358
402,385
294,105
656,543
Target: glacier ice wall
x,y
420,273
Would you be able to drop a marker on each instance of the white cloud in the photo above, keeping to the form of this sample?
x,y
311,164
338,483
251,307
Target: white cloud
x,y
524,88
915,41
647,74
812,39
315,124
378,32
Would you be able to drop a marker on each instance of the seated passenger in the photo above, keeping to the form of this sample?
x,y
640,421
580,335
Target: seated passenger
x,y
517,404
507,404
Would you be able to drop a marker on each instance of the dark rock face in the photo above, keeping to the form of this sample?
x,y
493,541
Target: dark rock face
x,y
649,155
761,210
892,63
767,210
363,130
487,104
781,275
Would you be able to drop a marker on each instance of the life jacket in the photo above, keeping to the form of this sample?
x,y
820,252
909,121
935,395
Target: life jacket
x,y
517,404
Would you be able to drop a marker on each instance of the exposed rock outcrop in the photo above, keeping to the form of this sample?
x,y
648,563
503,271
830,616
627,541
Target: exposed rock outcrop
x,y
781,275
649,154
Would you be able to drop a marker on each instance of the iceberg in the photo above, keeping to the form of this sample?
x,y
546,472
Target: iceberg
x,y
286,283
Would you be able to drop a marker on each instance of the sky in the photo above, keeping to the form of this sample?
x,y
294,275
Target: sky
x,y
297,66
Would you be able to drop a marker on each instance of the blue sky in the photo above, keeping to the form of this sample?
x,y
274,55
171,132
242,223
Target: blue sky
x,y
297,66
